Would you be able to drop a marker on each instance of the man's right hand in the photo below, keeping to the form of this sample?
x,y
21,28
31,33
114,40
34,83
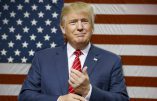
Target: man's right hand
x,y
71,97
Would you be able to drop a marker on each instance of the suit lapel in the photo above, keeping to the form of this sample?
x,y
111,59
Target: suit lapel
x,y
62,67
91,60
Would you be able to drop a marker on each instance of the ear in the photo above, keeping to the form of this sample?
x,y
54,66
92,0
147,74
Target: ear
x,y
62,28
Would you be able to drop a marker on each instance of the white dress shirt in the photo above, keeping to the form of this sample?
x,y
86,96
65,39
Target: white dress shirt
x,y
71,57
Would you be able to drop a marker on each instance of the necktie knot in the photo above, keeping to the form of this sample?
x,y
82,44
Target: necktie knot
x,y
77,53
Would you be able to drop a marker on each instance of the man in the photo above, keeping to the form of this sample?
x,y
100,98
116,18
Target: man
x,y
77,71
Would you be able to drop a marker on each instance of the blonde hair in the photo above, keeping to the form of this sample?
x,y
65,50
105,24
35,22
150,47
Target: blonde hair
x,y
78,7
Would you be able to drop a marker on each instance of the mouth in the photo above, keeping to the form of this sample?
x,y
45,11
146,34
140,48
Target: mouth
x,y
80,35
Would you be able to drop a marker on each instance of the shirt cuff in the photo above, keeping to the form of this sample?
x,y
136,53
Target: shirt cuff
x,y
89,93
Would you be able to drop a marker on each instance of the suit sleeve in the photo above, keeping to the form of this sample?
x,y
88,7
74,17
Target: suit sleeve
x,y
117,89
31,89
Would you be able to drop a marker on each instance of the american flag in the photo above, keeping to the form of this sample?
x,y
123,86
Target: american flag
x,y
125,27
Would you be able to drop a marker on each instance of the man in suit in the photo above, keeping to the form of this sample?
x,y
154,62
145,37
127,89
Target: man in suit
x,y
60,74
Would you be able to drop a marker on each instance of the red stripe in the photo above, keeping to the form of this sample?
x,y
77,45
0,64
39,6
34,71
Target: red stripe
x,y
140,99
124,39
14,98
140,60
116,1
141,81
126,19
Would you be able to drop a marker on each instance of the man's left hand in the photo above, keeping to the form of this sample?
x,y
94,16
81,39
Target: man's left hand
x,y
80,81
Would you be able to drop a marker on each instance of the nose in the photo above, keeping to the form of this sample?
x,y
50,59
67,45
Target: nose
x,y
80,26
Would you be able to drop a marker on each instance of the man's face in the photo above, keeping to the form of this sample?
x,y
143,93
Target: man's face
x,y
77,29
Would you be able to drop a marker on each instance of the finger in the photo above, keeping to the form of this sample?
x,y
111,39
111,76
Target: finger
x,y
74,85
75,77
78,73
80,98
84,71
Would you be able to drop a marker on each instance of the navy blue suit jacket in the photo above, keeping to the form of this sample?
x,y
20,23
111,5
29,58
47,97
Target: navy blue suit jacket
x,y
48,76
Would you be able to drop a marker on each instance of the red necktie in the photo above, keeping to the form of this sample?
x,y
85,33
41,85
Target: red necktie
x,y
76,65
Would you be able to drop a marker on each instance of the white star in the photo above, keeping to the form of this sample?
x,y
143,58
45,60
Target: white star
x,y
19,22
47,37
10,59
17,52
54,15
12,1
34,7
41,14
32,37
40,30
12,14
25,29
5,7
25,44
11,44
5,21
24,60
18,37
53,45
3,52
40,1
19,7
4,36
26,1
39,44
53,30
31,52
26,14
34,22
54,1
11,29
48,7
48,22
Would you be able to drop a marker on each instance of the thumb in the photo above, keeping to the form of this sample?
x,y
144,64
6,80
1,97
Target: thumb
x,y
84,71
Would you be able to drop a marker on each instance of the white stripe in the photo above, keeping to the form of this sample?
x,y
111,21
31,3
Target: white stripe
x,y
129,70
139,9
14,68
125,29
142,92
134,92
140,71
9,89
139,50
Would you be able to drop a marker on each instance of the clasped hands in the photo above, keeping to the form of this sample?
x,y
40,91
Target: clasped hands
x,y
81,85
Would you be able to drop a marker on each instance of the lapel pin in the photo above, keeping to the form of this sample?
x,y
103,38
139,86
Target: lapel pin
x,y
95,59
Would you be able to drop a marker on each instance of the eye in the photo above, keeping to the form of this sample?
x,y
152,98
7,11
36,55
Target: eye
x,y
73,22
85,21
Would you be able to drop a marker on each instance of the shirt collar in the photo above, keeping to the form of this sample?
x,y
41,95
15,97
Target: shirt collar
x,y
71,50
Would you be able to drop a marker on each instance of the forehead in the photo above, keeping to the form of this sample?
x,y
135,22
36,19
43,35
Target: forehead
x,y
80,15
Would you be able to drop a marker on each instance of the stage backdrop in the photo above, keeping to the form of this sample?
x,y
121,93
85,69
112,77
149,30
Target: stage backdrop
x,y
125,27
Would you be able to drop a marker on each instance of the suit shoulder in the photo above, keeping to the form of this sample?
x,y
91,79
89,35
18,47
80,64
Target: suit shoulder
x,y
49,51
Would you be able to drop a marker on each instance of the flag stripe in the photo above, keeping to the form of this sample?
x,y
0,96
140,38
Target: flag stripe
x,y
140,60
138,50
125,29
116,1
126,19
121,9
141,71
140,99
14,98
141,81
124,39
130,80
